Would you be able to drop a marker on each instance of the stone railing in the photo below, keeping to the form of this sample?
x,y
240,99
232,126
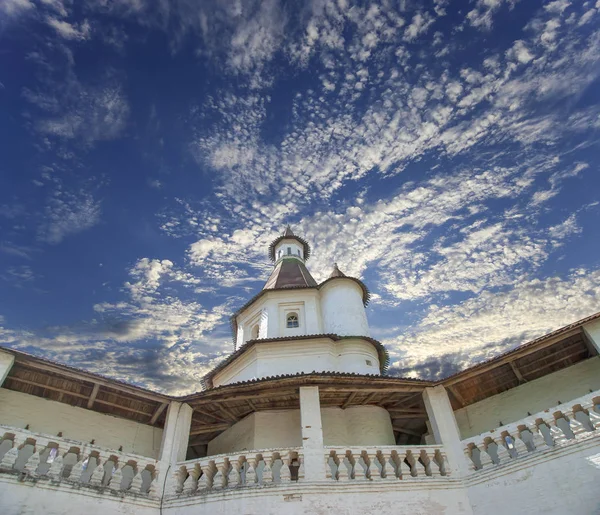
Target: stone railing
x,y
240,470
382,463
565,424
57,459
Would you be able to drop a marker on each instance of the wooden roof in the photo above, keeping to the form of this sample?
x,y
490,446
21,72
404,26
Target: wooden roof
x,y
43,378
216,409
219,408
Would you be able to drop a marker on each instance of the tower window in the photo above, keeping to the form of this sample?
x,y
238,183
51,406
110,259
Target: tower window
x,y
289,251
292,320
298,251
255,332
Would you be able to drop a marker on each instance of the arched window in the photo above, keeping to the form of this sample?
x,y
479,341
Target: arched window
x,y
279,253
292,320
289,251
255,332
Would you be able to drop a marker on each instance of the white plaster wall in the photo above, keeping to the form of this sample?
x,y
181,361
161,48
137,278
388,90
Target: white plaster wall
x,y
297,249
357,425
567,485
538,395
24,498
6,363
269,311
261,430
44,416
302,356
340,501
239,437
275,429
342,308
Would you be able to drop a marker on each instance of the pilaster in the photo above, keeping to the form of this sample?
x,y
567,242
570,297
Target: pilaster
x,y
312,433
6,363
445,429
592,331
176,433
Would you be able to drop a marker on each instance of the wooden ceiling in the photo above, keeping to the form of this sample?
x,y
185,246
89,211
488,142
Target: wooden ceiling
x,y
39,378
217,409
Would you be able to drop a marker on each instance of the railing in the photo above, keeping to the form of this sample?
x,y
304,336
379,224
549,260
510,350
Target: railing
x,y
244,469
562,425
58,459
391,463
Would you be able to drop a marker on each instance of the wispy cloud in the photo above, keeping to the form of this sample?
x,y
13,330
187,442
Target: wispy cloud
x,y
68,213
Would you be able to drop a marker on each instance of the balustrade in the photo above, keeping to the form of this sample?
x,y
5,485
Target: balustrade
x,y
387,463
247,469
552,428
57,459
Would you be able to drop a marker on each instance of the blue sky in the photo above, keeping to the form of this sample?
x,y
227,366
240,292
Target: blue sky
x,y
444,152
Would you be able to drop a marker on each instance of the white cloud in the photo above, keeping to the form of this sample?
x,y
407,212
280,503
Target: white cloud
x,y
15,7
491,323
68,30
68,213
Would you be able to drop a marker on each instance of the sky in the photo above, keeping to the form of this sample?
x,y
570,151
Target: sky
x,y
446,153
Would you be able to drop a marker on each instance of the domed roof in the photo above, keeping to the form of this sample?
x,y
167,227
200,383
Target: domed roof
x,y
288,234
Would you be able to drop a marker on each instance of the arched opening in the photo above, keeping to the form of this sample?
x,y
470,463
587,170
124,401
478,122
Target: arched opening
x,y
292,320
255,332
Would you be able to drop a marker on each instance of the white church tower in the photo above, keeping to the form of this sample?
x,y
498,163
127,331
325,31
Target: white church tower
x,y
296,325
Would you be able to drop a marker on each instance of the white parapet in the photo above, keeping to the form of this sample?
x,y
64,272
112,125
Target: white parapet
x,y
564,425
59,460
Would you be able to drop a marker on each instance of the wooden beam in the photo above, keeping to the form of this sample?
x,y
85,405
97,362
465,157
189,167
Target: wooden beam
x,y
157,413
349,399
515,354
31,362
251,404
559,353
457,396
213,399
49,387
408,411
115,405
407,431
224,409
370,397
212,415
562,358
92,398
209,429
200,440
517,372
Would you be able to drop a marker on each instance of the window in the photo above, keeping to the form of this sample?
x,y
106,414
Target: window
x,y
255,332
292,320
289,251
298,251
279,253
369,362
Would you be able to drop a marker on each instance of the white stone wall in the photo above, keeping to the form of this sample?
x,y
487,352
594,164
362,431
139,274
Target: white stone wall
x,y
44,416
296,249
357,425
532,397
238,437
269,313
292,357
342,308
561,486
23,498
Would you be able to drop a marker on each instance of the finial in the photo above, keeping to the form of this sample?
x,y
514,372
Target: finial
x,y
336,272
288,231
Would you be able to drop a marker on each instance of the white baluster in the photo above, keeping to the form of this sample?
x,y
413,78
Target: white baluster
x,y
344,467
375,467
33,463
136,482
98,475
301,468
387,467
595,418
251,471
267,472
405,468
77,470
10,457
205,480
234,477
116,478
284,472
